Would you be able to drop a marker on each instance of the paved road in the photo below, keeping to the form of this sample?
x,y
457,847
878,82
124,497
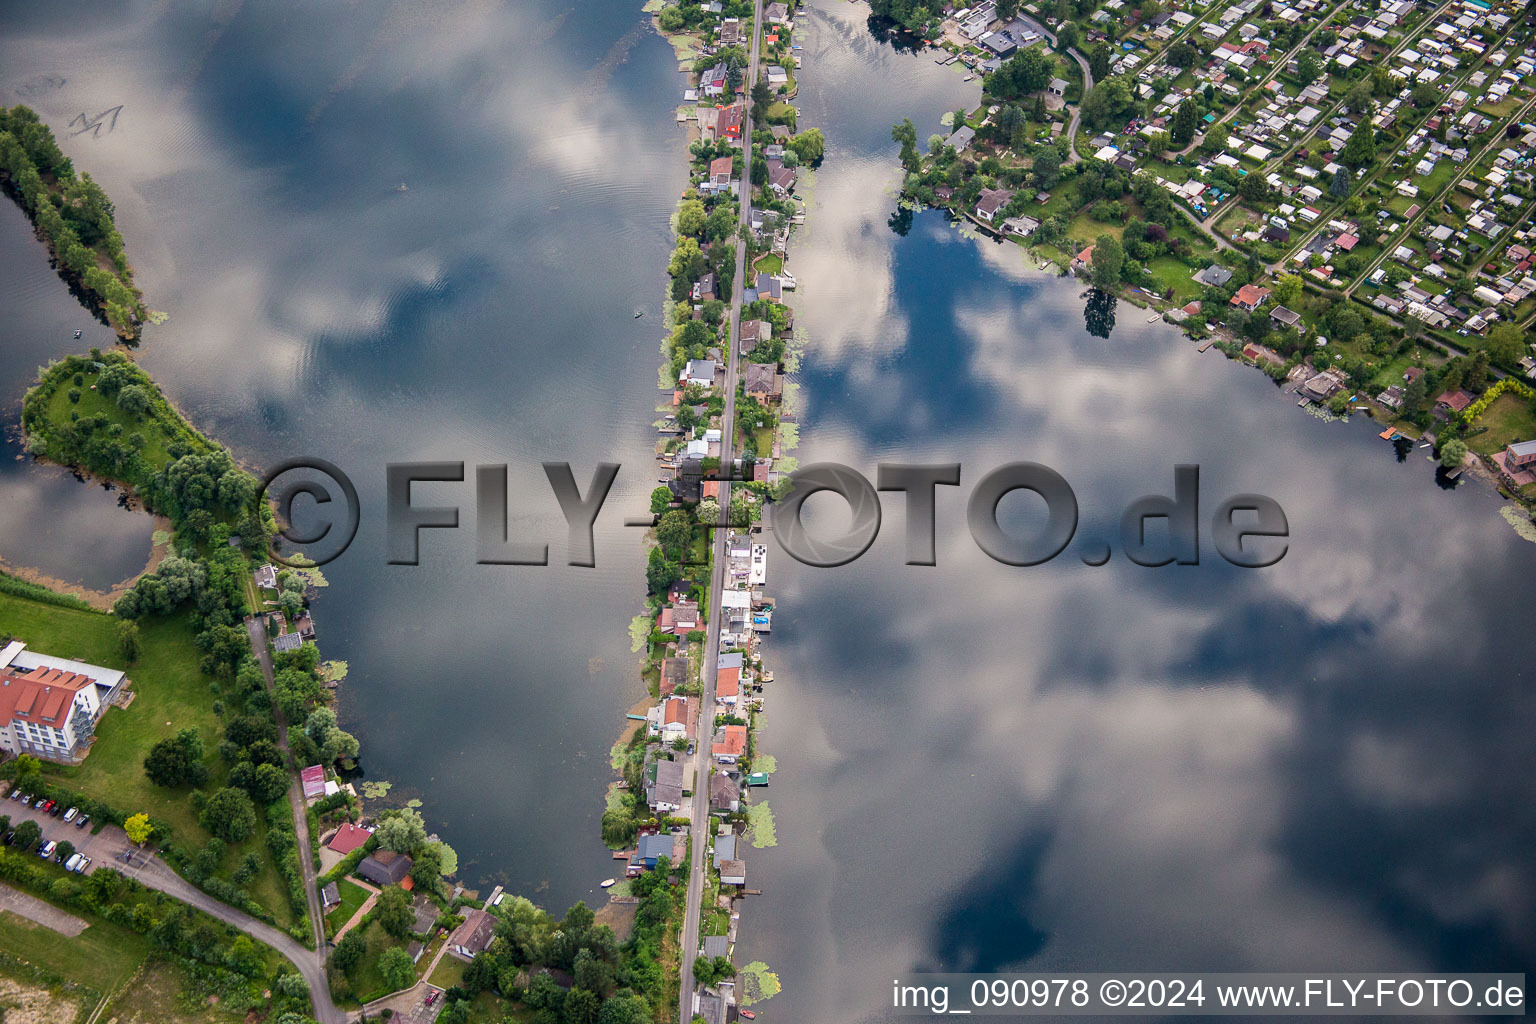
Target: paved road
x,y
104,849
699,829
256,626
1077,110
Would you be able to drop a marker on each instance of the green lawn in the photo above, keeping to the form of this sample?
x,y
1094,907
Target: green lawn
x,y
159,426
368,984
1508,419
171,694
1170,272
352,897
102,957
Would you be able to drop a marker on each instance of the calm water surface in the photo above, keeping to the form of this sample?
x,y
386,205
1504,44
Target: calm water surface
x,y
1323,765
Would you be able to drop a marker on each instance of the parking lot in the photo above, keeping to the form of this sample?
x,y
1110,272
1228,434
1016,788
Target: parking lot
x,y
102,847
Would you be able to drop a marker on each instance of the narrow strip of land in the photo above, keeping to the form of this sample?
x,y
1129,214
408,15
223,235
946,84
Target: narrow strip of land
x,y
699,827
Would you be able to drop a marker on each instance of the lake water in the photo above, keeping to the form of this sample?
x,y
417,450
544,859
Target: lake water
x,y
1326,764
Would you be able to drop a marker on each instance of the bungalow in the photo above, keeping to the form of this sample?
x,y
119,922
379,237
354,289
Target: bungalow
x,y
266,577
777,76
651,849
728,679
777,13
474,935
1453,401
724,794
961,139
674,673
704,289
676,718
664,793
680,618
1283,317
730,743
1250,297
780,178
1215,276
330,896
992,200
753,332
733,872
348,838
725,849
1083,260
700,371
769,288
385,867
1392,398
1023,227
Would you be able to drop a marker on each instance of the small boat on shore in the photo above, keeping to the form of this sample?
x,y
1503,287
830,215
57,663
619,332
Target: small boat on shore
x,y
606,883
1154,318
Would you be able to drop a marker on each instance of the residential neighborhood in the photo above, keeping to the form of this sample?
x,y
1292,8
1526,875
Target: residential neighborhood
x,y
1338,195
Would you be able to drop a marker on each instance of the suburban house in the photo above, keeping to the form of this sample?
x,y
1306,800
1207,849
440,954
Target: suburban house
x,y
777,13
474,935
1283,317
705,287
675,718
1453,401
724,794
720,174
664,789
679,618
992,202
769,287
1214,276
674,673
330,896
1083,260
728,679
348,838
752,332
1250,297
287,642
728,121
1023,227
763,382
780,178
266,576
713,81
699,371
961,140
650,850
49,706
725,848
733,872
386,867
1517,462
1521,454
730,743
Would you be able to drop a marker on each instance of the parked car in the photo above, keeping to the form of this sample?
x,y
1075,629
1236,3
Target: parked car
x,y
70,814
26,799
15,794
45,805
46,850
10,837
80,821
74,859
55,808
80,868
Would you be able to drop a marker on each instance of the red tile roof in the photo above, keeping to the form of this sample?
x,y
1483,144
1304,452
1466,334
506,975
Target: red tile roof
x,y
42,696
733,740
348,838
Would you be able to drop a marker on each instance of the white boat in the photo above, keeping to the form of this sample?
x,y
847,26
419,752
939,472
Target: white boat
x,y
1154,318
606,883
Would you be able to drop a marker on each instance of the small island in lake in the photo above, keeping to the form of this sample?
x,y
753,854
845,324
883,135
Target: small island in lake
x,y
73,217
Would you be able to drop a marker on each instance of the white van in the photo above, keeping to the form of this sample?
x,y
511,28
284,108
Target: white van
x,y
69,815
46,850
74,862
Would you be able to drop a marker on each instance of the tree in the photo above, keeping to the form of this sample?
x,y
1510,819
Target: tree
x,y
230,815
402,831
397,969
1184,123
1287,289
661,498
675,530
1341,185
762,98
128,641
809,145
1047,167
1215,138
1108,261
581,1006
134,399
65,851
1415,396
660,572
1098,62
906,134
1361,147
393,911
1067,36
1477,373
27,833
1106,102
1183,55
1506,343
267,783
138,828
691,217
1253,188
177,760
1452,452
1309,66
